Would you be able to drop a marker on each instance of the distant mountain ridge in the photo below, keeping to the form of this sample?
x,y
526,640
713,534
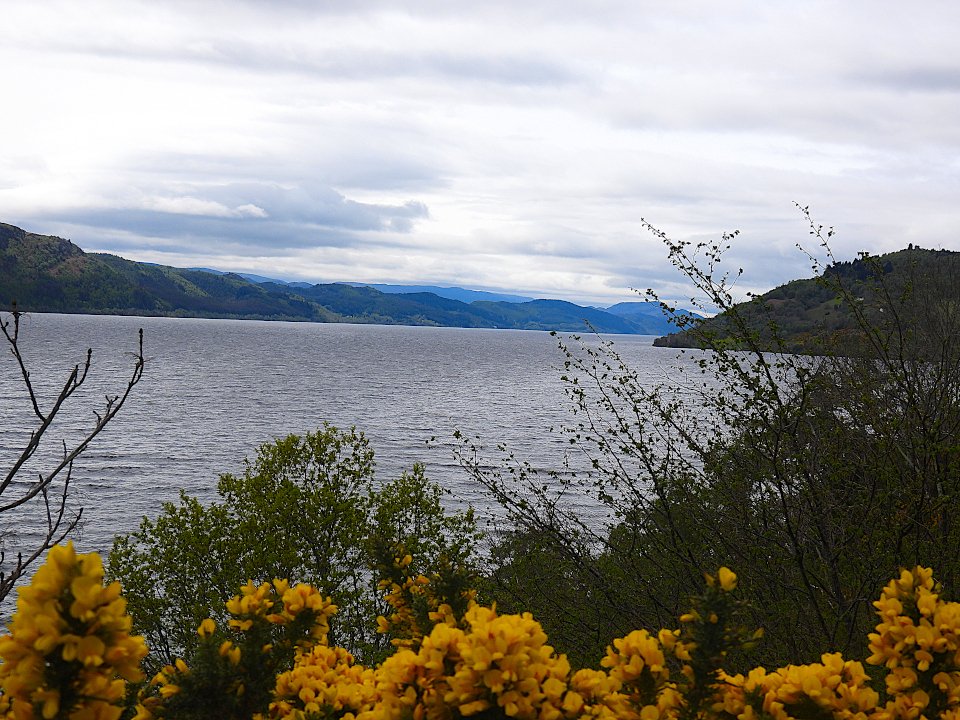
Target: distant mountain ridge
x,y
451,293
43,273
646,314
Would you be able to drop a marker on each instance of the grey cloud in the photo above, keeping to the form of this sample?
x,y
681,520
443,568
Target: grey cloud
x,y
369,65
272,47
672,287
542,10
371,159
921,78
541,147
557,241
318,206
194,233
505,69
357,64
294,218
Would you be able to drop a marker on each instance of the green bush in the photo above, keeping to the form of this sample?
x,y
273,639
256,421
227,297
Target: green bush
x,y
815,476
305,509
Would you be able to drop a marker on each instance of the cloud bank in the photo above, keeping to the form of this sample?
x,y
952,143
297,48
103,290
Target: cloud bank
x,y
490,145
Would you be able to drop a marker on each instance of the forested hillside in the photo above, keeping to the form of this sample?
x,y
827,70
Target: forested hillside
x,y
811,315
48,274
42,273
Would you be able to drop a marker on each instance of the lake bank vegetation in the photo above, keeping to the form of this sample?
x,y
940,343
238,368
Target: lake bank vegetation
x,y
755,514
70,653
815,477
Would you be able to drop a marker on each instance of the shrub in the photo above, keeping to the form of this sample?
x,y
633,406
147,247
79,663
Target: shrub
x,y
816,476
306,508
69,655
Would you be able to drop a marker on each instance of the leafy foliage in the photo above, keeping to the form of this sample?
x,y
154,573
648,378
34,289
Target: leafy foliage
x,y
815,475
305,508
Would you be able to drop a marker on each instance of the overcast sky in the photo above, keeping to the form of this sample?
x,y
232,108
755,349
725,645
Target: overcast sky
x,y
488,144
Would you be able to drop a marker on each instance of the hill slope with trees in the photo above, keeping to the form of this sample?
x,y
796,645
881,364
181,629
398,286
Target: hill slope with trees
x,y
43,273
811,316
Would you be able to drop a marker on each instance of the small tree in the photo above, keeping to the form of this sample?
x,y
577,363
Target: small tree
x,y
305,509
815,476
50,488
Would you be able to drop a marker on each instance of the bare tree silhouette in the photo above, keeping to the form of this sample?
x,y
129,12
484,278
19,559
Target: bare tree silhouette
x,y
46,491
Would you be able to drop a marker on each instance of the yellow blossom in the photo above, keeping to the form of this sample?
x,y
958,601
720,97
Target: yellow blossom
x,y
69,638
728,579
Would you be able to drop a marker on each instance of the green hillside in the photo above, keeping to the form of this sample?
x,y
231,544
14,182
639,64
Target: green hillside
x,y
42,273
897,293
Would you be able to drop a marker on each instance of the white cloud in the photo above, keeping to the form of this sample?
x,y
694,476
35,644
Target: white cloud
x,y
198,206
487,144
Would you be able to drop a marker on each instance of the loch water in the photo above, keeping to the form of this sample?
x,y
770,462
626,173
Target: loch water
x,y
213,390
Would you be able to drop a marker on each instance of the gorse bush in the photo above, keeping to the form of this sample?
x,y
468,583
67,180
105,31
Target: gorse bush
x,y
69,654
233,671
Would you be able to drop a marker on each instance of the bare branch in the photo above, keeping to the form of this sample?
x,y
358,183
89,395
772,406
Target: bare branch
x,y
59,524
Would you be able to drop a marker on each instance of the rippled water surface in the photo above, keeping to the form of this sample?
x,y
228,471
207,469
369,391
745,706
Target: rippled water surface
x,y
215,389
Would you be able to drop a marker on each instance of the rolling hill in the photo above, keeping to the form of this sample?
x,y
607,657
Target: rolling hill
x,y
896,293
43,273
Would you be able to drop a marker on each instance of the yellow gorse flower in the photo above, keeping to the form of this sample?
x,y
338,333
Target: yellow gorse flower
x,y
499,662
833,687
207,628
279,604
69,649
918,641
69,654
323,682
639,680
415,605
727,579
